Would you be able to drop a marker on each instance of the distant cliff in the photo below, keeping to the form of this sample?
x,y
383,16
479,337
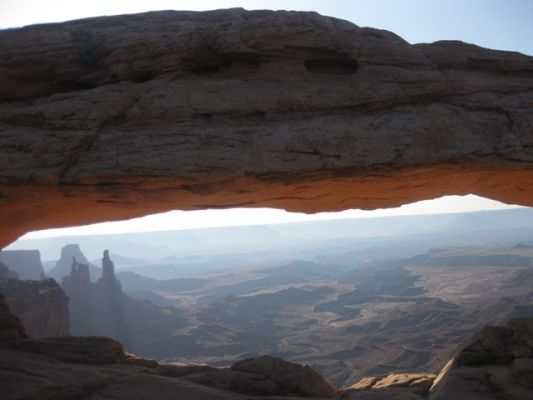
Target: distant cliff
x,y
41,305
6,273
64,264
26,263
103,309
96,308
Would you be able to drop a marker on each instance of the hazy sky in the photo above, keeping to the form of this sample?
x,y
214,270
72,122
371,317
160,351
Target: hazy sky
x,y
498,24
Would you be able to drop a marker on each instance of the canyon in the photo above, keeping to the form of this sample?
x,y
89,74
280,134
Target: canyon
x,y
375,317
496,363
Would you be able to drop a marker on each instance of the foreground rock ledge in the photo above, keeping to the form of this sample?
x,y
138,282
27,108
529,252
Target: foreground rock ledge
x,y
116,117
496,364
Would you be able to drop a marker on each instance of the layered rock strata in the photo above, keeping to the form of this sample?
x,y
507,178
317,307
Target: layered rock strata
x,y
115,117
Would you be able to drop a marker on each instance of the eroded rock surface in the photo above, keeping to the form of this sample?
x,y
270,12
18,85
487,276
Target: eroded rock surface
x,y
41,305
293,378
114,117
497,364
392,387
10,326
98,368
260,376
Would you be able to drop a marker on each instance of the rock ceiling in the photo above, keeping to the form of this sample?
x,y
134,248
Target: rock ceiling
x,y
117,117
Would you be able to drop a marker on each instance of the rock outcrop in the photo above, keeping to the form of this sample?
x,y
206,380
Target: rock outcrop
x,y
26,263
496,364
259,376
6,273
292,378
79,289
41,305
103,309
64,264
391,387
96,308
115,117
11,328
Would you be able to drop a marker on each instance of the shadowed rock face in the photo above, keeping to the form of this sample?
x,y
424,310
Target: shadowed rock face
x,y
115,117
41,305
496,364
11,328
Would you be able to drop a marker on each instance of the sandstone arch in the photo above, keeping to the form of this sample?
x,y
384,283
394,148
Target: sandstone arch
x,y
116,117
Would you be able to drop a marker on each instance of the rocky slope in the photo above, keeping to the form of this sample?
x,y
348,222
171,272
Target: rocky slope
x,y
26,263
10,326
497,364
41,305
114,117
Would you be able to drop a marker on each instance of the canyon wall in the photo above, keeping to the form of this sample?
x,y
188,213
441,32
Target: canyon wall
x,y
115,117
41,306
26,263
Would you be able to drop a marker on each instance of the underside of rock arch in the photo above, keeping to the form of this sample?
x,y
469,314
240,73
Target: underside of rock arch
x,y
117,117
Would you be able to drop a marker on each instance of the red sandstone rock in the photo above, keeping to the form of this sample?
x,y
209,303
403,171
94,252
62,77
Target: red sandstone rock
x,y
115,117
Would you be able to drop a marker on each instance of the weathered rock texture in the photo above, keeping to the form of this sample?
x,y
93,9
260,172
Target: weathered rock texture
x,y
292,378
26,263
11,328
41,305
496,364
391,387
115,117
261,376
